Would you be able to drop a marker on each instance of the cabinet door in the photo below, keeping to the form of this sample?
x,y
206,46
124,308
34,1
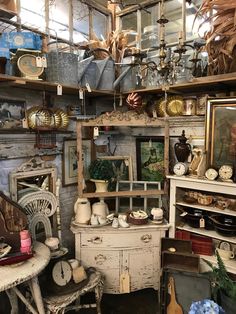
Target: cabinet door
x,y
108,262
143,266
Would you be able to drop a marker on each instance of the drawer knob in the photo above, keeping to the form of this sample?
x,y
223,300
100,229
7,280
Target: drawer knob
x,y
146,238
95,240
100,259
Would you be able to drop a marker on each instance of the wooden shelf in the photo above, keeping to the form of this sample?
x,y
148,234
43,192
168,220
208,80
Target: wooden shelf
x,y
208,208
32,131
207,233
15,81
220,82
140,193
229,264
214,83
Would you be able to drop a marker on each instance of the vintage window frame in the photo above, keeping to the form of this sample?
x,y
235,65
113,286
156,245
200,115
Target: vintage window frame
x,y
216,130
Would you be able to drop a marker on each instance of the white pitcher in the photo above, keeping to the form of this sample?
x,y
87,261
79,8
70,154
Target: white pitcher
x,y
82,210
100,209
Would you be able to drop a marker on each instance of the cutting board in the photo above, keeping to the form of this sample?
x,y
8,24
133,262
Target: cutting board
x,y
173,307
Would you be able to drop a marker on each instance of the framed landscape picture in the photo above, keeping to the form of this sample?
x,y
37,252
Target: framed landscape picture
x,y
150,159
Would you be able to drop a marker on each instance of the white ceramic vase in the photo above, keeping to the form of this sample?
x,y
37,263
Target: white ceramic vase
x,y
100,209
101,185
82,210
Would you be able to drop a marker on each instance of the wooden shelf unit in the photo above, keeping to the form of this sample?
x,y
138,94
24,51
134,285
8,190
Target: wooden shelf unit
x,y
222,82
41,85
123,119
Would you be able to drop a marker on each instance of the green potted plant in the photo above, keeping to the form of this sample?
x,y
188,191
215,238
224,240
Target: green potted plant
x,y
102,173
223,285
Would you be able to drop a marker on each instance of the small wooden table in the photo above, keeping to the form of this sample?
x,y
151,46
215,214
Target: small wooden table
x,y
13,275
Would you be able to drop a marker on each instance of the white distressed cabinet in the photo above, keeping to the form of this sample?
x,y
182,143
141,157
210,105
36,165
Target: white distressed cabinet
x,y
134,251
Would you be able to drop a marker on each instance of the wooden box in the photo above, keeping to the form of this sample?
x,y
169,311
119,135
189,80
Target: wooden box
x,y
181,246
181,261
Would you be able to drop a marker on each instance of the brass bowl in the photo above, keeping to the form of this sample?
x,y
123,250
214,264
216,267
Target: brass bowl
x,y
175,106
56,119
64,118
38,117
161,107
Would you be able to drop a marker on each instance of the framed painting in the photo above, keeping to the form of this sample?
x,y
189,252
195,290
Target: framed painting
x,y
70,166
221,132
150,158
12,113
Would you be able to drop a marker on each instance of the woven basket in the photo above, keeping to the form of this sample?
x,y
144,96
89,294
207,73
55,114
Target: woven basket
x,y
137,221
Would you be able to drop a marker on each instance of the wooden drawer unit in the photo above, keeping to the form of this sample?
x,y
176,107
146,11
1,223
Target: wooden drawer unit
x,y
134,251
123,239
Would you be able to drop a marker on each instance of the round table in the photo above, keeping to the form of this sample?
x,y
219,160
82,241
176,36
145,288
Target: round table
x,y
27,271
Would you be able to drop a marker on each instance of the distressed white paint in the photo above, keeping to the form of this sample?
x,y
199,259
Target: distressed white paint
x,y
114,251
13,275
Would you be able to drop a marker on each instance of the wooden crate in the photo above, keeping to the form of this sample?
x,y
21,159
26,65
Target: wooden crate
x,y
181,246
181,261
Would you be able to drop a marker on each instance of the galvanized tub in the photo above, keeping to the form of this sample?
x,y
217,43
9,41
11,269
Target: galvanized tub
x,y
62,67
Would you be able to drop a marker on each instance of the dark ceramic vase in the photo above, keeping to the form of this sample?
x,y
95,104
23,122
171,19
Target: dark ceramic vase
x,y
182,149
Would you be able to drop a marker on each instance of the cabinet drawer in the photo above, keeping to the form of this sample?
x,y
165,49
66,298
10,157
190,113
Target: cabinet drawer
x,y
142,238
100,259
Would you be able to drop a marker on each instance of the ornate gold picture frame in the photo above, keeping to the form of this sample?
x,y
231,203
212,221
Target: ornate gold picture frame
x,y
221,132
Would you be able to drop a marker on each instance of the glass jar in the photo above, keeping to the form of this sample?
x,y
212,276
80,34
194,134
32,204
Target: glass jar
x,y
190,106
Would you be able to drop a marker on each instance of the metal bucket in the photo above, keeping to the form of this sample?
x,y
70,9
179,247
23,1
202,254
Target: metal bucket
x,y
108,76
129,81
62,67
100,74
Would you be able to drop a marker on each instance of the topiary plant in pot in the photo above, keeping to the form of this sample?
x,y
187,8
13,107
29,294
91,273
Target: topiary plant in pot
x,y
102,173
223,284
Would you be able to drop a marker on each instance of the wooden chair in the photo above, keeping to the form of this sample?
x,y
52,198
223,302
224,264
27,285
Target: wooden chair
x,y
59,304
39,206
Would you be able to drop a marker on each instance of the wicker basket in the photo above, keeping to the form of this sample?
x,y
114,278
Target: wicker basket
x,y
137,221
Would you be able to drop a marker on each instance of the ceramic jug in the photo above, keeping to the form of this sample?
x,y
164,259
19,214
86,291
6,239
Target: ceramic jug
x,y
182,149
82,210
100,209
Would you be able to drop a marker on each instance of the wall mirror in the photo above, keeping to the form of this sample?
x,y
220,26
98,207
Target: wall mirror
x,y
34,186
32,176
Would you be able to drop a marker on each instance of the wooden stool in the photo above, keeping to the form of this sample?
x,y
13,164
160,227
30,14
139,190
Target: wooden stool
x,y
59,304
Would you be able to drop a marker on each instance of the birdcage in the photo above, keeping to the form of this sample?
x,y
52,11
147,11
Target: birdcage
x,y
45,139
